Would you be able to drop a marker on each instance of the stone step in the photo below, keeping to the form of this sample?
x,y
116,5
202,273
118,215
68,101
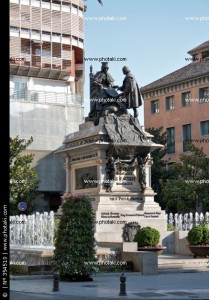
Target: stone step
x,y
166,271
168,263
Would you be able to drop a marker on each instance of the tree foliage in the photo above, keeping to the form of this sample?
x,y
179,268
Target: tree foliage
x,y
183,186
23,178
190,189
74,244
159,172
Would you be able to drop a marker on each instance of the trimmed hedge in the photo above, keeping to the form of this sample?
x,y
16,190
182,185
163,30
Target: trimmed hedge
x,y
147,236
198,235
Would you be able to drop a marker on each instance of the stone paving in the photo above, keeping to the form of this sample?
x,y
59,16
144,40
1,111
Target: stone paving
x,y
106,286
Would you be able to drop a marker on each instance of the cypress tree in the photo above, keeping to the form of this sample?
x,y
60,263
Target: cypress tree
x,y
74,244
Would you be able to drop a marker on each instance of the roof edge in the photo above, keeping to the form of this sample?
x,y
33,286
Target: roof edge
x,y
143,89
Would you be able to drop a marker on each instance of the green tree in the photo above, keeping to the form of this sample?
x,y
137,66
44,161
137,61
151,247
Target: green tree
x,y
74,244
23,178
159,172
190,189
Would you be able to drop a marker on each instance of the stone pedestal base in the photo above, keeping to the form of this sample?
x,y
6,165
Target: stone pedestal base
x,y
115,211
129,199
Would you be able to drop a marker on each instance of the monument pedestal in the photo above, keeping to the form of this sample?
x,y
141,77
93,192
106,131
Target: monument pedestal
x,y
127,203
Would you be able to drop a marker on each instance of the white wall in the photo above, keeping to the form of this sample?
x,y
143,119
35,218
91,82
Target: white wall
x,y
46,85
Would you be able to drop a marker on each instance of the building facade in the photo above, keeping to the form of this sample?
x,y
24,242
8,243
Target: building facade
x,y
46,84
179,102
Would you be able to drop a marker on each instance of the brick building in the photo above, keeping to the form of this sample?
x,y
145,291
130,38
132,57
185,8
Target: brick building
x,y
179,102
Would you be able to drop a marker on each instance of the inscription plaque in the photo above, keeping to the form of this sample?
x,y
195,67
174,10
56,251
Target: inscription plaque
x,y
86,178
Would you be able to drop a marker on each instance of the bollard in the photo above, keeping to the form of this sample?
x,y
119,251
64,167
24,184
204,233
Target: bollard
x,y
56,282
122,285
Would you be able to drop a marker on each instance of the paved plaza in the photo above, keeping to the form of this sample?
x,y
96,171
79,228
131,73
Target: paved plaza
x,y
179,285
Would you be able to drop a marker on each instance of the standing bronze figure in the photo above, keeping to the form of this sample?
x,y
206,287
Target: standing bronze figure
x,y
130,90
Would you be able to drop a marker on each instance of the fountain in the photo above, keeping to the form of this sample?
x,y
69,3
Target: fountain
x,y
188,220
31,240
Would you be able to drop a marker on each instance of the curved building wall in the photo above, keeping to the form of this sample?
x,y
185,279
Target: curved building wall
x,y
46,83
47,112
46,35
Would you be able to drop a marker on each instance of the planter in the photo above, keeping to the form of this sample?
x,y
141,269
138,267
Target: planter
x,y
199,250
159,250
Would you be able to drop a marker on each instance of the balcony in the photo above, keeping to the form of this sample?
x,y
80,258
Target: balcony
x,y
45,97
36,69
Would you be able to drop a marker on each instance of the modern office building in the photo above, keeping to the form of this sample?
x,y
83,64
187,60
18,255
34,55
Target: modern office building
x,y
46,84
179,102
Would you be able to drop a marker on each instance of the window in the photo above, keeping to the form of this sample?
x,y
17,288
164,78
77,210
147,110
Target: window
x,y
19,86
46,65
169,102
185,99
38,51
45,52
170,140
56,50
66,63
204,127
19,90
187,136
204,95
46,49
155,106
25,46
205,54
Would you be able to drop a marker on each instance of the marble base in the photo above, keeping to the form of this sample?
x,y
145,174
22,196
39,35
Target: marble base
x,y
86,153
114,211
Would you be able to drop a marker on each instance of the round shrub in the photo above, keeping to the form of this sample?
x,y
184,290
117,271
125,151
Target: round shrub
x,y
198,235
147,236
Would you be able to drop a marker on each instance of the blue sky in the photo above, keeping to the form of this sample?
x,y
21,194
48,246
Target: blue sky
x,y
155,37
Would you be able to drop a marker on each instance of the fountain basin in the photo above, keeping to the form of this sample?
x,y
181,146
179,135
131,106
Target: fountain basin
x,y
26,260
30,256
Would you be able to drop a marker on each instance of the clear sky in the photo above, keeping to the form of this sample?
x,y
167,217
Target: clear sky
x,y
155,37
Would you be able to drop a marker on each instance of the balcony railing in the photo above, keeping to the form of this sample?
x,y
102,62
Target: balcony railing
x,y
45,97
